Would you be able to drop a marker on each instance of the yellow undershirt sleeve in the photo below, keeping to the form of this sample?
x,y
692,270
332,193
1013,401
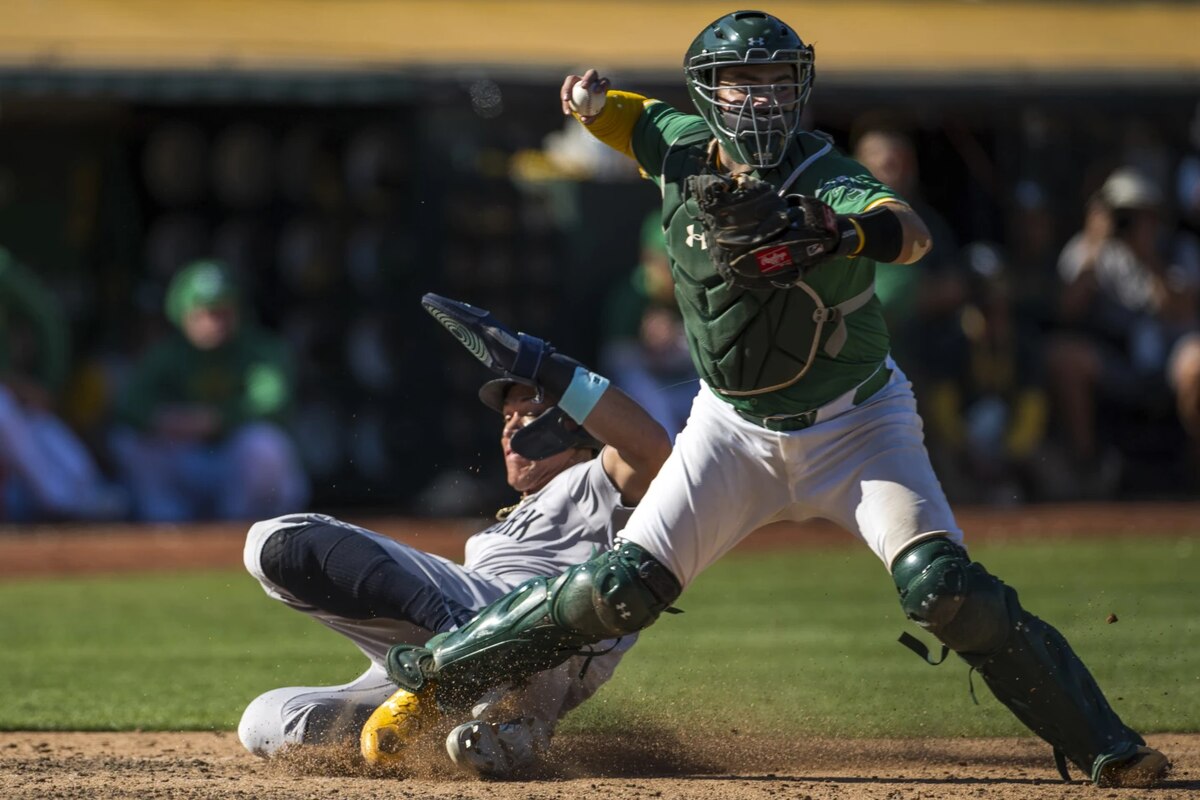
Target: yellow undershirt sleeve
x,y
614,124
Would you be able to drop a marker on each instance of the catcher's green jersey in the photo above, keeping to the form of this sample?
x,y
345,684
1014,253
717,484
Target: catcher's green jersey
x,y
782,351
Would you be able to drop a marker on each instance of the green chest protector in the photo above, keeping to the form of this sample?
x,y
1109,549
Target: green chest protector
x,y
743,342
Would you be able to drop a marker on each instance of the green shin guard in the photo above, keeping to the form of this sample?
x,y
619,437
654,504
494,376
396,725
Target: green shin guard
x,y
1039,678
539,625
1025,662
511,639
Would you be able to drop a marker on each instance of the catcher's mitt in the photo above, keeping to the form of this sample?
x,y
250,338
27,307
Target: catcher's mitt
x,y
758,239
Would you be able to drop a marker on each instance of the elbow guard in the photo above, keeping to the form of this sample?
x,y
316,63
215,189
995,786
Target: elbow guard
x,y
876,234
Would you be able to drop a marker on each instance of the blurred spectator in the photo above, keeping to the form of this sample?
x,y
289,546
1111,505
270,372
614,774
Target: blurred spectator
x,y
987,412
920,300
48,473
201,434
1129,313
644,350
1033,245
1187,177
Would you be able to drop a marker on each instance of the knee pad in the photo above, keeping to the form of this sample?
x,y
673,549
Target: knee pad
x,y
952,597
285,553
620,591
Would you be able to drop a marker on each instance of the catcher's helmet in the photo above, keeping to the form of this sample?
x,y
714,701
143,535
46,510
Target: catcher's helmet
x,y
757,135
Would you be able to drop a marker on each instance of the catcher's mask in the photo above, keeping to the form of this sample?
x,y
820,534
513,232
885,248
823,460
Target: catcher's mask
x,y
756,133
551,433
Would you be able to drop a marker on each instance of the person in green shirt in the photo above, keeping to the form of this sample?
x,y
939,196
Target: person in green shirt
x,y
801,413
201,420
48,472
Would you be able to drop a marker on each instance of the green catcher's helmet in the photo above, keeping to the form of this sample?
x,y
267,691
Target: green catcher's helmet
x,y
755,132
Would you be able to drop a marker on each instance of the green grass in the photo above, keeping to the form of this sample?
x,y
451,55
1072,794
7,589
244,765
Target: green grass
x,y
802,642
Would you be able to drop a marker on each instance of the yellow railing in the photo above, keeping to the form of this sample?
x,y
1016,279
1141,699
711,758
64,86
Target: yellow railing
x,y
850,36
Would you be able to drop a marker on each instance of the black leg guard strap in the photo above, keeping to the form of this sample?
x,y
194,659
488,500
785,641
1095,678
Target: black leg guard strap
x,y
539,625
339,570
1026,663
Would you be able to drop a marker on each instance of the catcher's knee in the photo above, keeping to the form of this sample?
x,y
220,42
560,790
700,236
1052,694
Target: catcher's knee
x,y
952,597
618,592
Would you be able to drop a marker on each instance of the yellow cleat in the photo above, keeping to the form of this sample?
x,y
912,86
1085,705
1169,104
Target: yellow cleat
x,y
396,724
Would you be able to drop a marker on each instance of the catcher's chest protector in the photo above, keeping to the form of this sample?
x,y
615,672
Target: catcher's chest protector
x,y
742,342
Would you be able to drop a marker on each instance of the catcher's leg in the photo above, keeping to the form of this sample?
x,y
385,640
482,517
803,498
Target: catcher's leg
x,y
1026,663
539,625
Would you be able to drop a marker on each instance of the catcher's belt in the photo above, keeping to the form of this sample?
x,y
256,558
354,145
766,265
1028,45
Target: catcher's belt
x,y
838,405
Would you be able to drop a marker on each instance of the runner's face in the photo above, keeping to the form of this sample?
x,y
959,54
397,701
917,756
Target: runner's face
x,y
524,475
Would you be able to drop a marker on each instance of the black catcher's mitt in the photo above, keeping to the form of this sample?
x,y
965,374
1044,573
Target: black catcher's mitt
x,y
758,239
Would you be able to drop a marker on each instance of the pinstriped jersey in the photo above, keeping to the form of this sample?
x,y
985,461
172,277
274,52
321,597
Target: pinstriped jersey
x,y
575,515
743,341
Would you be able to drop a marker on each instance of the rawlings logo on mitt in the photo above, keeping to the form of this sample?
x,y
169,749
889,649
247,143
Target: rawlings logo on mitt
x,y
757,239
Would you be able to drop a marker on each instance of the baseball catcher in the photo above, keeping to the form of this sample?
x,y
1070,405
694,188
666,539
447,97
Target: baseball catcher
x,y
802,410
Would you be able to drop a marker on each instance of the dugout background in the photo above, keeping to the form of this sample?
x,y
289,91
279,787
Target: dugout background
x,y
344,192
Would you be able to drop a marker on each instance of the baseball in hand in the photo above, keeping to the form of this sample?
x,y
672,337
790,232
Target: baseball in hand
x,y
585,103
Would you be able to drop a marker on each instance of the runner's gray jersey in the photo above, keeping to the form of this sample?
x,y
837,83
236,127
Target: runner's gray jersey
x,y
562,524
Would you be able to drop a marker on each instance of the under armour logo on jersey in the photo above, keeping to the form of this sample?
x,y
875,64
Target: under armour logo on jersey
x,y
756,41
693,236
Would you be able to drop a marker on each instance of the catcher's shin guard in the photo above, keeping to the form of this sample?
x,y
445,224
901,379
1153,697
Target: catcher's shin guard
x,y
1026,663
539,625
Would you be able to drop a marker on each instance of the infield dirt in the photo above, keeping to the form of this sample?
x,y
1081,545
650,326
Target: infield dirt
x,y
663,763
648,764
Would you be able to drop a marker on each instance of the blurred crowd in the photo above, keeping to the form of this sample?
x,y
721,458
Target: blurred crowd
x,y
197,430
1075,376
1048,365
1044,370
